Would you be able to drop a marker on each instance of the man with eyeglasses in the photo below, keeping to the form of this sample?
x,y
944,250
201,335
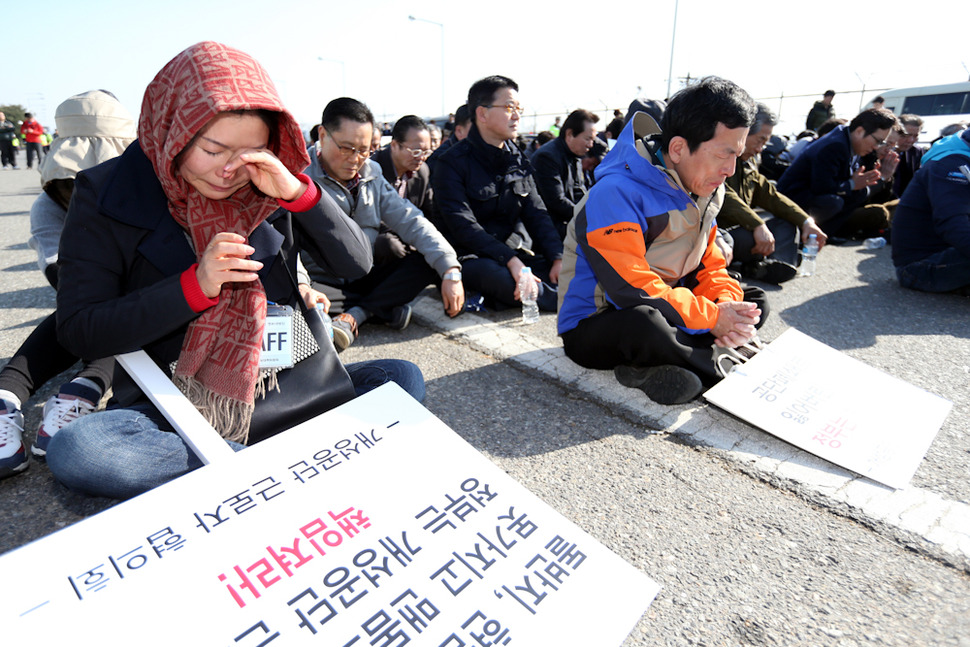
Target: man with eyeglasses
x,y
342,168
486,198
829,181
403,162
559,167
874,218
910,155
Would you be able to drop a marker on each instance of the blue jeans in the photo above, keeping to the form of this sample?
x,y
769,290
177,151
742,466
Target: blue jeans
x,y
942,272
121,453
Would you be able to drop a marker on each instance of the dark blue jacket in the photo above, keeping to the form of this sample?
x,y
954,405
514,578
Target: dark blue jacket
x,y
934,212
482,193
824,168
122,256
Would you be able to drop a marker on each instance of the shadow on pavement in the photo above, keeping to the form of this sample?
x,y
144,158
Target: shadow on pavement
x,y
23,267
854,317
39,297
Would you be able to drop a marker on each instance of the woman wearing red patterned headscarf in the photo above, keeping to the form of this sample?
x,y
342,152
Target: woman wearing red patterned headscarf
x,y
176,247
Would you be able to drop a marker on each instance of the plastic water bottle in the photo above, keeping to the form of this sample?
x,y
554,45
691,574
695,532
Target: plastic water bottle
x,y
809,254
874,243
528,293
327,321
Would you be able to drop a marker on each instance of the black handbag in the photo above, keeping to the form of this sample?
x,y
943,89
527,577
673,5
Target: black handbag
x,y
310,387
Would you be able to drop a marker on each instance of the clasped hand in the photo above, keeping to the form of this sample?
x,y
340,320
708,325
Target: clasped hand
x,y
736,321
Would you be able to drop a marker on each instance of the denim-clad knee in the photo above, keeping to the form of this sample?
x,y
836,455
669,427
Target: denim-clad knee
x,y
369,375
118,453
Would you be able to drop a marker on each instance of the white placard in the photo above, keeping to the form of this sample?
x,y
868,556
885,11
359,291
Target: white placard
x,y
374,519
835,407
194,429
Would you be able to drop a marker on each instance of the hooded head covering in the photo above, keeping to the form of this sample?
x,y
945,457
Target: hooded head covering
x,y
92,127
218,368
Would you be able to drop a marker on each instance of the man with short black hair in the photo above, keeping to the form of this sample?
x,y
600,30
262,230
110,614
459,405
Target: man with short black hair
x,y
821,112
559,167
485,194
644,289
342,168
828,180
402,162
764,244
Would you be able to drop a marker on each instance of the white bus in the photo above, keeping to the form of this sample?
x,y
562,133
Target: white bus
x,y
938,105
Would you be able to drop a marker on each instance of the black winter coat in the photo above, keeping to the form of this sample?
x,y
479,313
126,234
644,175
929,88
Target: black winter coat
x,y
122,256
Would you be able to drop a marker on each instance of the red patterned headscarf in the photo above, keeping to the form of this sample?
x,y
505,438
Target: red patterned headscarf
x,y
218,368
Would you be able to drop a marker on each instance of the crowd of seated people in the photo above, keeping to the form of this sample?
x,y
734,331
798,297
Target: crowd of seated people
x,y
469,206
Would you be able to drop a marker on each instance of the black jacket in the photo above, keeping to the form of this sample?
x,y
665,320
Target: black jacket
x,y
560,179
122,255
482,193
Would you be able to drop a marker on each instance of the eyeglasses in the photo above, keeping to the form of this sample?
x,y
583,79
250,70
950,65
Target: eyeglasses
x,y
417,153
347,151
509,108
879,142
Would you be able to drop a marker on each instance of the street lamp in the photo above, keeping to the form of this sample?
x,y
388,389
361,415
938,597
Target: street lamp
x,y
673,38
413,19
343,71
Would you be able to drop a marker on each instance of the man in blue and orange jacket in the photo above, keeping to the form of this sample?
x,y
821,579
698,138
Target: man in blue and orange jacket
x,y
643,287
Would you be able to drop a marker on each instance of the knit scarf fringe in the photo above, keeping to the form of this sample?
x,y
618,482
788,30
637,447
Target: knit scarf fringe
x,y
230,417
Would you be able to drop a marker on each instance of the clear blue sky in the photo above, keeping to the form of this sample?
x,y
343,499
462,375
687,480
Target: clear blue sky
x,y
563,55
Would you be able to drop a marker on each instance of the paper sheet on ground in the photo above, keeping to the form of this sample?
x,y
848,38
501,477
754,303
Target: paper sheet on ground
x,y
835,407
372,524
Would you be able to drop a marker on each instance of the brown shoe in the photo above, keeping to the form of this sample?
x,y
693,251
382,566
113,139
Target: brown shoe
x,y
344,330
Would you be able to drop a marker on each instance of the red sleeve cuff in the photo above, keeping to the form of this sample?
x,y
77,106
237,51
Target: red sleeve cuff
x,y
306,201
196,299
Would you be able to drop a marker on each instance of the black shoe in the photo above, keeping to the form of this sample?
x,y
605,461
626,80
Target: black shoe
x,y
838,241
400,317
769,270
666,384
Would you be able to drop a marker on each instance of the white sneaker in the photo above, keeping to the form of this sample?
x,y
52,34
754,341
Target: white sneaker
x,y
13,455
727,359
60,410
